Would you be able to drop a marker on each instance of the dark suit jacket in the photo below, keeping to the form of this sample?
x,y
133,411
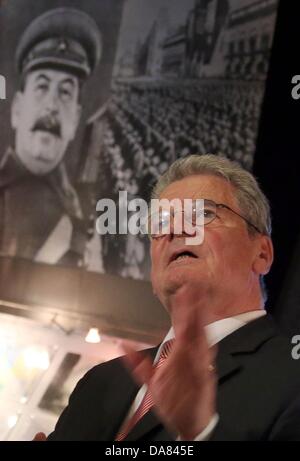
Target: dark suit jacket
x,y
258,394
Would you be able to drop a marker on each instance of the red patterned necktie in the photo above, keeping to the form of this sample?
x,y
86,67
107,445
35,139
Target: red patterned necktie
x,y
147,402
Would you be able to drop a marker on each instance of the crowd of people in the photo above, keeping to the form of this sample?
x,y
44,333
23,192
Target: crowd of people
x,y
148,125
189,117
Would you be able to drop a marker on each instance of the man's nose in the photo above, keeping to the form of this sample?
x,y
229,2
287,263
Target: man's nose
x,y
52,101
177,227
182,226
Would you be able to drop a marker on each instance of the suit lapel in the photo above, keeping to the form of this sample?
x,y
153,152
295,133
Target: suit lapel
x,y
226,365
245,340
249,337
124,401
115,410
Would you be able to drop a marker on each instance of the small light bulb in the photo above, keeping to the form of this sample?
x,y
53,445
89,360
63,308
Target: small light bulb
x,y
93,336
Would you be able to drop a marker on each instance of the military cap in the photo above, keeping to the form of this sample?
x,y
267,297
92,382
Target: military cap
x,y
62,38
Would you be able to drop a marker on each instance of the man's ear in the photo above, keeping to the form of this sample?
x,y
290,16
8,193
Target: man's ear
x,y
15,109
264,256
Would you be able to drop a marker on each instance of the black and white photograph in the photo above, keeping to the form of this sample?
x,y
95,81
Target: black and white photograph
x,y
103,97
58,58
189,78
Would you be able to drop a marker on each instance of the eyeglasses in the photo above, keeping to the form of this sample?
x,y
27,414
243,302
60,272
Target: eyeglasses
x,y
159,223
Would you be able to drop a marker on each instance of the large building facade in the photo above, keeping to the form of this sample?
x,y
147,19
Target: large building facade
x,y
219,38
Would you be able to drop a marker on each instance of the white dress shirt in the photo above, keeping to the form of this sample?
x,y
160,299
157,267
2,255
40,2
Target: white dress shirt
x,y
215,332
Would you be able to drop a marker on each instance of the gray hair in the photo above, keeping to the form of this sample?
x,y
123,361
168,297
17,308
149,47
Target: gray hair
x,y
251,200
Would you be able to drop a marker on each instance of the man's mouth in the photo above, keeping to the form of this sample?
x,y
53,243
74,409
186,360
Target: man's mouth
x,y
182,255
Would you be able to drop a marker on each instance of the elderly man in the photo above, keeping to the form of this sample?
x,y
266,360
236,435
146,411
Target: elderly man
x,y
56,54
228,374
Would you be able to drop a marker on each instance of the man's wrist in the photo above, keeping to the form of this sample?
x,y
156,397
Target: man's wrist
x,y
207,431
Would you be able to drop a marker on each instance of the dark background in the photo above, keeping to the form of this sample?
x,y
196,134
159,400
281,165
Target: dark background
x,y
276,166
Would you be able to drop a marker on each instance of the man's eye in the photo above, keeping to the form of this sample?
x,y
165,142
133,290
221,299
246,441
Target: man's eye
x,y
42,87
208,213
157,224
65,93
164,221
205,213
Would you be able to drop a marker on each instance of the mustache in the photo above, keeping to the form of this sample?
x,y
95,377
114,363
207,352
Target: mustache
x,y
48,123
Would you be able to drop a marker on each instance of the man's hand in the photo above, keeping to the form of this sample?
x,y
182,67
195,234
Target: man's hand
x,y
184,387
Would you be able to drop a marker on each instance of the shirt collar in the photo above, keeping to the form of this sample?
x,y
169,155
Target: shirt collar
x,y
216,331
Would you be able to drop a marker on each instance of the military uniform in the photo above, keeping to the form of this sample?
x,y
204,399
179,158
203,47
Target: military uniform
x,y
32,206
